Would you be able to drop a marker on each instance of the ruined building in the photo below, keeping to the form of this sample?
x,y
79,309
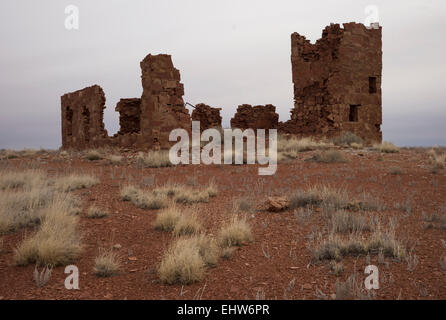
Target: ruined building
x,y
337,88
337,83
144,123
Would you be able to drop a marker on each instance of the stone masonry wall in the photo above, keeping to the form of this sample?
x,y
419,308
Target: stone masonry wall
x,y
162,105
209,117
82,118
337,83
257,117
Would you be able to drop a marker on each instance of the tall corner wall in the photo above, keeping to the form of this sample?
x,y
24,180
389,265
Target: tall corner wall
x,y
337,83
162,105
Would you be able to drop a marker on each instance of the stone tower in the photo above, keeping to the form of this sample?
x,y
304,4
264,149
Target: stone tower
x,y
337,83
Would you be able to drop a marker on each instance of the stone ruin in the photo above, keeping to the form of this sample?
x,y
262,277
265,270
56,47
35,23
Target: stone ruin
x,y
337,88
209,117
82,118
337,83
145,122
257,117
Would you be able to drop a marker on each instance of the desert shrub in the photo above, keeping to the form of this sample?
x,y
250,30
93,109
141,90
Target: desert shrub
x,y
167,218
154,159
143,199
319,196
294,145
330,156
336,268
385,241
303,198
74,182
347,138
21,179
355,145
186,259
57,241
212,188
23,208
434,220
346,221
187,195
106,264
243,204
93,155
115,159
387,147
352,289
367,202
94,212
234,233
187,224
334,247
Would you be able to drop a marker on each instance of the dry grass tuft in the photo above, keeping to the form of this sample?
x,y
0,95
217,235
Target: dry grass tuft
x,y
22,208
330,156
355,145
235,233
27,179
346,221
186,259
167,218
93,155
334,247
187,195
106,264
348,138
115,159
57,242
187,224
387,147
154,159
352,289
323,196
293,145
143,199
95,213
74,182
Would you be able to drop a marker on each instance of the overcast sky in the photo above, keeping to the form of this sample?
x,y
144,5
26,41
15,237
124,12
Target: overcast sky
x,y
228,53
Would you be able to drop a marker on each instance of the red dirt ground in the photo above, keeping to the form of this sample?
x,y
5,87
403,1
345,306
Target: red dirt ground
x,y
248,273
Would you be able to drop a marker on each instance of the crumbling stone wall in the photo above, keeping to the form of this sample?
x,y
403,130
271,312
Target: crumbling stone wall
x,y
337,83
162,105
129,122
82,118
337,88
144,123
129,115
257,117
209,117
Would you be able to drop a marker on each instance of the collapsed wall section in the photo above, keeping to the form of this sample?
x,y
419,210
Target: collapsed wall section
x,y
129,122
209,117
257,117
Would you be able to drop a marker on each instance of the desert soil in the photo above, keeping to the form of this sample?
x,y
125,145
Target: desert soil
x,y
277,264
